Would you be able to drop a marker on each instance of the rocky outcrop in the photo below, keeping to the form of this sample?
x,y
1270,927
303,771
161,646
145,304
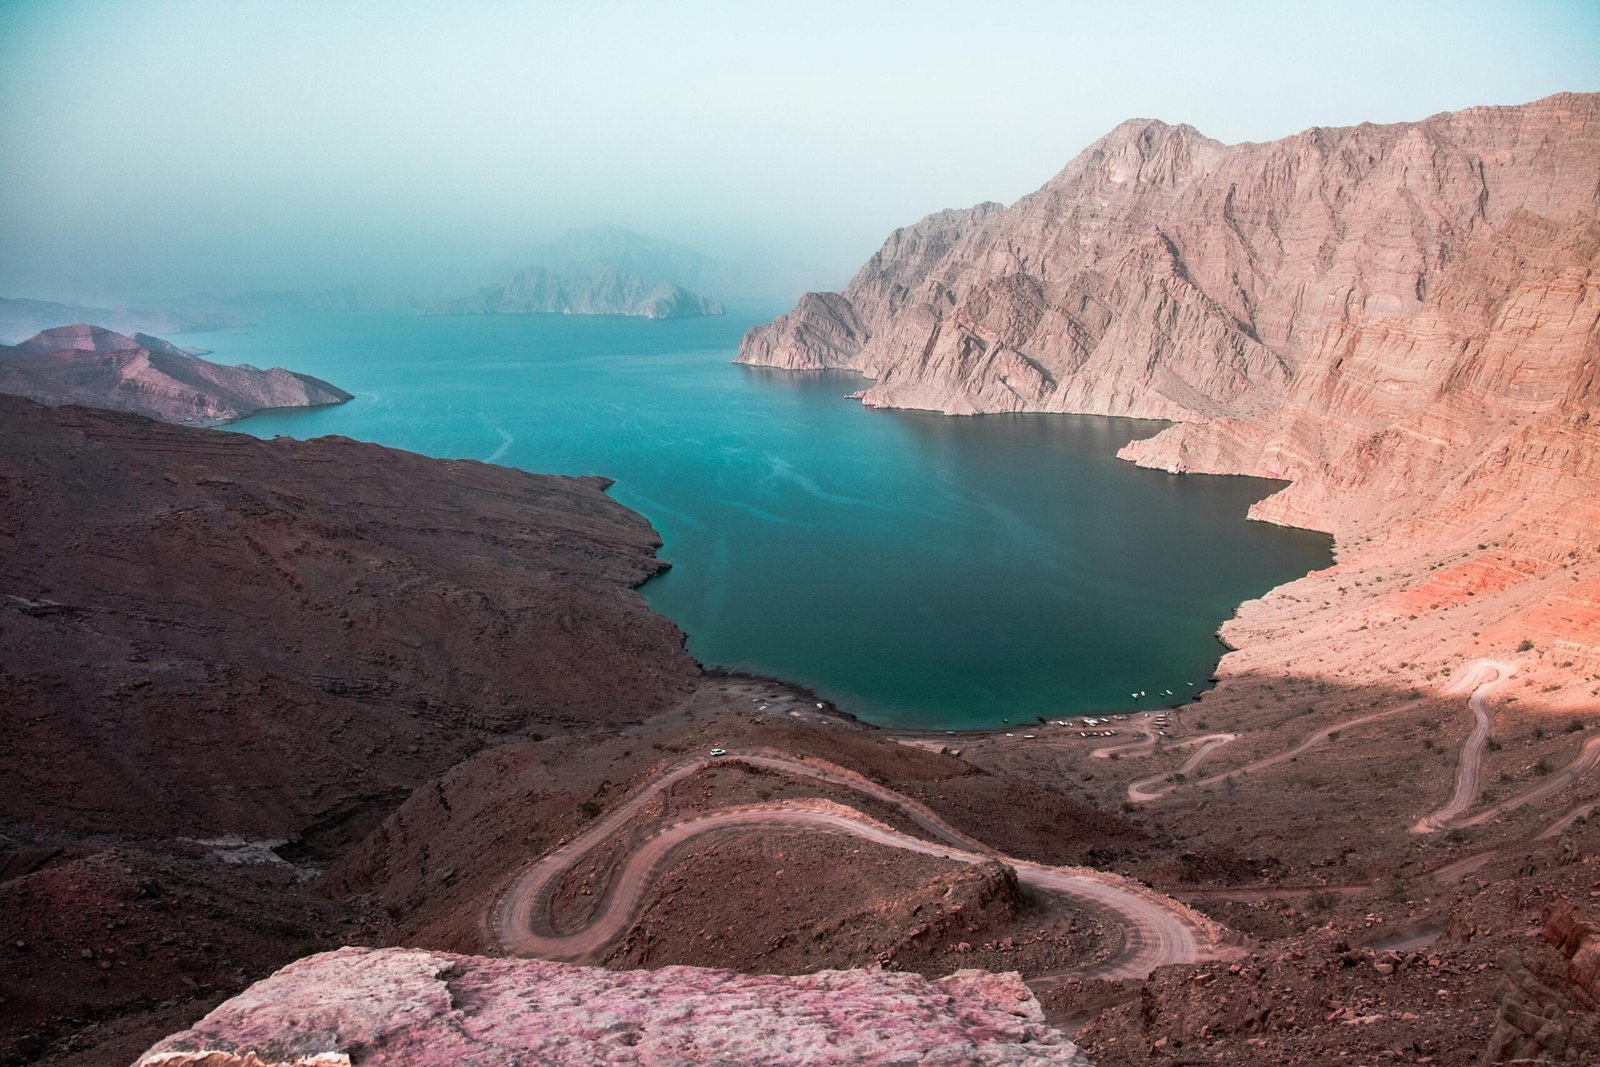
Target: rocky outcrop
x,y
607,291
401,1006
1544,1016
824,329
95,367
1575,931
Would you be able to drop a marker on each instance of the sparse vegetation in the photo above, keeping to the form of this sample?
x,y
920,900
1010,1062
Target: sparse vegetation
x,y
1525,646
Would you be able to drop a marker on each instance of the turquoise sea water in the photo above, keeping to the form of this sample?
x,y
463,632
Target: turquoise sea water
x,y
917,569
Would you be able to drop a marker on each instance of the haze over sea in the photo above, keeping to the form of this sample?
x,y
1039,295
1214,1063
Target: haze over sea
x,y
916,569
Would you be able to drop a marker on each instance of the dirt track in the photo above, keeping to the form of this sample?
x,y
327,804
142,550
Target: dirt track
x,y
1470,764
1156,929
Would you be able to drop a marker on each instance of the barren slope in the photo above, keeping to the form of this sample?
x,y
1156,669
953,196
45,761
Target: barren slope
x,y
205,633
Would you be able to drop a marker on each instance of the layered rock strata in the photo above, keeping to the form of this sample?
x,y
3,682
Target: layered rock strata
x,y
1163,274
404,1006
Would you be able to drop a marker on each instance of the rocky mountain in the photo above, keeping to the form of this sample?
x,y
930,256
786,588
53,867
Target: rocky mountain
x,y
411,1008
603,247
1401,320
95,367
606,291
20,318
1162,274
765,275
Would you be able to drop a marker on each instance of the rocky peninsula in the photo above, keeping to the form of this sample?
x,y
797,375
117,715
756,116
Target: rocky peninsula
x,y
95,367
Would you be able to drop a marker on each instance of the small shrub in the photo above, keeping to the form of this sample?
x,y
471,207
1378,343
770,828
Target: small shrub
x,y
1525,646
589,809
1493,745
1543,766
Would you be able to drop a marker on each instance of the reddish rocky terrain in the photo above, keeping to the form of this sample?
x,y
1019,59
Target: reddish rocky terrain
x,y
96,367
293,685
205,633
220,657
402,1008
429,875
1401,320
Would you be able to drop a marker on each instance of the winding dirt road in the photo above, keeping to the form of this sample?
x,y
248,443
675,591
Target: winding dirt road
x,y
1142,747
1140,792
1586,760
1470,763
1156,929
1482,678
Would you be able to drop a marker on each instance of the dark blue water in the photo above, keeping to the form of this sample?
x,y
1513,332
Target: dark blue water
x,y
915,568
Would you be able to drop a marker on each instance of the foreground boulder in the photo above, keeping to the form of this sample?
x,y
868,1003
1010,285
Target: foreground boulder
x,y
405,1006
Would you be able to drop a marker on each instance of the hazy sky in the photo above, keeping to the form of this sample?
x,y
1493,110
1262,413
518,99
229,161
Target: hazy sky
x,y
171,147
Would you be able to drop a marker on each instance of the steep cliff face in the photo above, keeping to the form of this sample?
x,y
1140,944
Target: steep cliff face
x,y
1492,378
1402,320
400,1006
1163,274
96,367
